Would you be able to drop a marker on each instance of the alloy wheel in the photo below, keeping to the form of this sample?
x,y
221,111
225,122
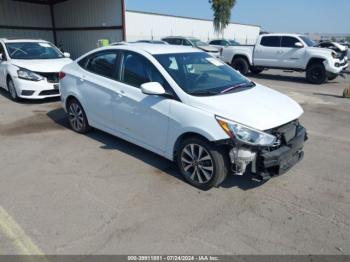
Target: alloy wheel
x,y
197,163
76,116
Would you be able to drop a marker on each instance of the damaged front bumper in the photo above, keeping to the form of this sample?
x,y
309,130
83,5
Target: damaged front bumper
x,y
264,163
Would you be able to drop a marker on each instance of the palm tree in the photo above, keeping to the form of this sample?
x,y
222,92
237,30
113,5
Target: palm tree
x,y
222,14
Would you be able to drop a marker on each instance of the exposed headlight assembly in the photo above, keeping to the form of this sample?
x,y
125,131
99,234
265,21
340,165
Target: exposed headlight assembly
x,y
28,75
246,134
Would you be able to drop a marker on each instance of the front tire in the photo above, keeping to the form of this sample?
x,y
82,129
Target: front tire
x,y
202,164
241,65
316,74
77,117
12,90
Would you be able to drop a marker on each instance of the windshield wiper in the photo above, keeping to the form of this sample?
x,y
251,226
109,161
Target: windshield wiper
x,y
203,93
249,84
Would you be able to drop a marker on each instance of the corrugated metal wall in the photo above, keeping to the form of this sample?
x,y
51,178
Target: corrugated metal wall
x,y
147,26
83,41
76,19
21,14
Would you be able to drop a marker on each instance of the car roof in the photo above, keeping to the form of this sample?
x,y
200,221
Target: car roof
x,y
283,34
154,49
21,40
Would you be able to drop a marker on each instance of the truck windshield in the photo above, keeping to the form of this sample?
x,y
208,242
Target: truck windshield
x,y
202,75
33,50
308,41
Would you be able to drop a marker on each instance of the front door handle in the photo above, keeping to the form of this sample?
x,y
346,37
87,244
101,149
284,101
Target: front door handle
x,y
83,78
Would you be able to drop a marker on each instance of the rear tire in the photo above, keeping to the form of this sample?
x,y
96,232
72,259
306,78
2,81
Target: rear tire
x,y
77,117
241,65
12,90
256,70
202,164
316,74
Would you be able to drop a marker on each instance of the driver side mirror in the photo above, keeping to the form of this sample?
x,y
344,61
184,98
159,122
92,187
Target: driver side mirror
x,y
1,56
153,88
66,55
299,45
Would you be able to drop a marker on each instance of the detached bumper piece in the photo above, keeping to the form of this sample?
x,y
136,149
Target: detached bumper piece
x,y
278,161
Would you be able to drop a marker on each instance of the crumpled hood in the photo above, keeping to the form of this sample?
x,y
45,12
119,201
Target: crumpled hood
x,y
42,65
325,51
260,107
208,48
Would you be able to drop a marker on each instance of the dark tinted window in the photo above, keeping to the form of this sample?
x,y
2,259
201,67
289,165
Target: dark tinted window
x,y
169,40
288,41
271,41
103,64
177,41
216,42
186,43
137,70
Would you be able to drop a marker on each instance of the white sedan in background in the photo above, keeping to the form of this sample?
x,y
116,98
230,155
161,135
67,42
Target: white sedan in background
x,y
186,106
29,68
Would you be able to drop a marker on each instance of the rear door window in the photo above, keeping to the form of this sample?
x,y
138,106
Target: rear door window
x,y
103,64
271,41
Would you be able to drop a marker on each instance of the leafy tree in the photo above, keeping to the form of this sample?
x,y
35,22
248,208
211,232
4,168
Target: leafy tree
x,y
347,38
222,13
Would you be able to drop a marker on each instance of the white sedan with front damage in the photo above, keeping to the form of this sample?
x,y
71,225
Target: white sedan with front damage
x,y
186,106
29,68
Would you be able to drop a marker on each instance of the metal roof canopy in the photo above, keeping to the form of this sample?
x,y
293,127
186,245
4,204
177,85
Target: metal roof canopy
x,y
42,2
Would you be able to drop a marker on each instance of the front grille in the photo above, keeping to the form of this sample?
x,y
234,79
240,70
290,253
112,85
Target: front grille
x,y
49,92
51,77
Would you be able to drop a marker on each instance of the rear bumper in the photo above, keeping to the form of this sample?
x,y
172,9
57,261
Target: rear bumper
x,y
278,162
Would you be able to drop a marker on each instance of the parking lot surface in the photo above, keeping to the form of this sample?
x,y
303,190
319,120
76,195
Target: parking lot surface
x,y
64,193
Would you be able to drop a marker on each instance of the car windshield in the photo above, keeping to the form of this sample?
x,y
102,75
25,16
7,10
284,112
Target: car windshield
x,y
33,50
308,41
197,42
233,43
202,75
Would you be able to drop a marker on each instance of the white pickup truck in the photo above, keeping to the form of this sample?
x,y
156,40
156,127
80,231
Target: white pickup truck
x,y
286,52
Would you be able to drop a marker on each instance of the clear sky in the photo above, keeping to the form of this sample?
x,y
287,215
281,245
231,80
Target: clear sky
x,y
302,16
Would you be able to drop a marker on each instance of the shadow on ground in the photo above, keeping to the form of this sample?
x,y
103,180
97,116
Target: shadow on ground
x,y
167,167
283,78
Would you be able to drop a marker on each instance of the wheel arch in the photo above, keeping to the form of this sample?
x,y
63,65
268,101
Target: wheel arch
x,y
245,57
315,60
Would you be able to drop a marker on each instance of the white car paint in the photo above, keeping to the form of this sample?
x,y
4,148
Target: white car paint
x,y
284,57
156,122
9,68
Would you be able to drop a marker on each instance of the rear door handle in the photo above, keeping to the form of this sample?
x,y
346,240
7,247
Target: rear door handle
x,y
83,78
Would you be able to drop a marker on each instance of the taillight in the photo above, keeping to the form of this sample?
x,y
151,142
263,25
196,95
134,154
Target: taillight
x,y
61,75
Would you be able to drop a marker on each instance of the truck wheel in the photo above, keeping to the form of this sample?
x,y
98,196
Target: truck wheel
x,y
240,64
316,74
332,77
256,70
202,164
